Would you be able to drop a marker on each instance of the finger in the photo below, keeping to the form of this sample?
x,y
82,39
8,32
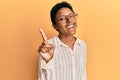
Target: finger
x,y
44,50
43,34
49,46
40,47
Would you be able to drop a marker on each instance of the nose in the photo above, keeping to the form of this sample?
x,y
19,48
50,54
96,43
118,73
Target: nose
x,y
68,20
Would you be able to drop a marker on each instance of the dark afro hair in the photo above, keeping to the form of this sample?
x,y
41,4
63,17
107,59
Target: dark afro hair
x,y
58,6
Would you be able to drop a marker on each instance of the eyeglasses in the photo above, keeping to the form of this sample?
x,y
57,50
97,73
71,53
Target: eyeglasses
x,y
64,18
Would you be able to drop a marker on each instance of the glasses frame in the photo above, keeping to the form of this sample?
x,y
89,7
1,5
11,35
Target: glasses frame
x,y
64,18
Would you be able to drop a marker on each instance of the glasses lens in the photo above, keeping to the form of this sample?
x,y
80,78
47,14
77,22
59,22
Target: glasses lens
x,y
73,16
63,18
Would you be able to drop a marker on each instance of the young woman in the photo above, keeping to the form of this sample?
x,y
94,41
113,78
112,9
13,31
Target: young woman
x,y
64,56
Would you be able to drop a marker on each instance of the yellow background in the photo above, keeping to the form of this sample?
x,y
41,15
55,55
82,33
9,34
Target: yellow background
x,y
98,25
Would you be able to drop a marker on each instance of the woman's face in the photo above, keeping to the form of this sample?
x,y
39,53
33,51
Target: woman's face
x,y
66,22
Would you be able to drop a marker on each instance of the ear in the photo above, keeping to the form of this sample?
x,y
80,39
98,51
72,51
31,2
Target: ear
x,y
54,26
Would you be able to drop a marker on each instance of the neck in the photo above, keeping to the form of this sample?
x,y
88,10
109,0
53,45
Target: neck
x,y
68,40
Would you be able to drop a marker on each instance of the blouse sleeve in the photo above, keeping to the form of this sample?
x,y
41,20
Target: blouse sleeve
x,y
46,70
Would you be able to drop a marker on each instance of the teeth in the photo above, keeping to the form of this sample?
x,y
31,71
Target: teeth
x,y
70,26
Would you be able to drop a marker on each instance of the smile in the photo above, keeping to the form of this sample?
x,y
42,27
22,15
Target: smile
x,y
71,26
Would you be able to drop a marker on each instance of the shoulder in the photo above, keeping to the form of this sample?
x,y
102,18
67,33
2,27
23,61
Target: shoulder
x,y
81,42
83,45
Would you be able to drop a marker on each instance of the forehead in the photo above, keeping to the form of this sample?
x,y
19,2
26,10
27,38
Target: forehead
x,y
63,11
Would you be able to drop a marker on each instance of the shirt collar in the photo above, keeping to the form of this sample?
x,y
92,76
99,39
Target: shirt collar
x,y
58,42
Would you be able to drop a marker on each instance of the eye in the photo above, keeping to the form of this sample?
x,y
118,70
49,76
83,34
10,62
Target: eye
x,y
72,16
61,19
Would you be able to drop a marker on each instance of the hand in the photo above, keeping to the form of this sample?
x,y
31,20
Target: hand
x,y
46,49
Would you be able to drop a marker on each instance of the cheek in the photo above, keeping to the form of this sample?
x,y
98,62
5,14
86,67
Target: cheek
x,y
59,25
59,28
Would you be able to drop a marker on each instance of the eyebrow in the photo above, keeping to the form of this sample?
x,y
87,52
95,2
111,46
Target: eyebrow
x,y
68,14
64,15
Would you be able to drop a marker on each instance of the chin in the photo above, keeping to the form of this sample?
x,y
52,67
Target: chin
x,y
73,33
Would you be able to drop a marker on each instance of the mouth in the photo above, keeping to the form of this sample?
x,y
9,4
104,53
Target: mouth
x,y
70,26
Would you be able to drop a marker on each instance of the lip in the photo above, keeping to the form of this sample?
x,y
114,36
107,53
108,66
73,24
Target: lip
x,y
70,26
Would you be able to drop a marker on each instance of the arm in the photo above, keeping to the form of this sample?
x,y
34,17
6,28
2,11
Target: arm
x,y
46,71
46,59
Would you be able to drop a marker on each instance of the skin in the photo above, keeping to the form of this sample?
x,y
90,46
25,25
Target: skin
x,y
46,49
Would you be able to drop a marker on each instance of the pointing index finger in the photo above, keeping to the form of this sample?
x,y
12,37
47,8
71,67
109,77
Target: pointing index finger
x,y
43,34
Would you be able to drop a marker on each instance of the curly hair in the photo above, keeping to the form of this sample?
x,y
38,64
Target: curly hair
x,y
57,7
